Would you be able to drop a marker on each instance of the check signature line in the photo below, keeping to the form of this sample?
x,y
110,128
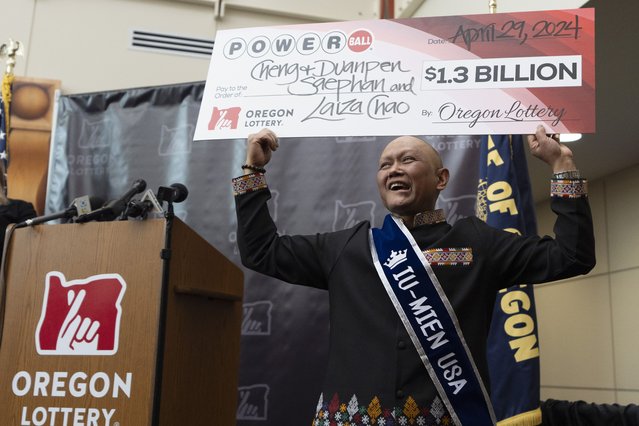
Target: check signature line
x,y
504,121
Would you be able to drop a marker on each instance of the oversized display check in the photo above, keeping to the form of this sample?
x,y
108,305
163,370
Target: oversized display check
x,y
478,74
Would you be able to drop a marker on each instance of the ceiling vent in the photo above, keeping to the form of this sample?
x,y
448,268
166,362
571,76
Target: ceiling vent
x,y
171,44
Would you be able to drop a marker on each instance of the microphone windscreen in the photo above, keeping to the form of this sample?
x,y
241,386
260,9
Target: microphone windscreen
x,y
139,185
179,192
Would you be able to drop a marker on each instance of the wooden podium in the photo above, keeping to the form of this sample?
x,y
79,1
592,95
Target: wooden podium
x,y
100,330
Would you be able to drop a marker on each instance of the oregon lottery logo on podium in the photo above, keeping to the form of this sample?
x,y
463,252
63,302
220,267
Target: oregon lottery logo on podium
x,y
80,317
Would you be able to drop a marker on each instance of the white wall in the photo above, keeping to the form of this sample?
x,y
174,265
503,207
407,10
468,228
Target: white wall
x,y
469,7
588,331
85,43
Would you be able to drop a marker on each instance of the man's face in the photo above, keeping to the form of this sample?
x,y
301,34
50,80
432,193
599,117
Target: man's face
x,y
410,176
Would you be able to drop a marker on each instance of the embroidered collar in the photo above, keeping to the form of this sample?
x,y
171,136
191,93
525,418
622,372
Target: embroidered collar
x,y
429,217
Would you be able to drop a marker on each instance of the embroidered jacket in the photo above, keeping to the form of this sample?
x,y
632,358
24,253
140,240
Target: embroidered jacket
x,y
374,375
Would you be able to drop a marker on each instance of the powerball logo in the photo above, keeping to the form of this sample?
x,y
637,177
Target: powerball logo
x,y
306,44
80,317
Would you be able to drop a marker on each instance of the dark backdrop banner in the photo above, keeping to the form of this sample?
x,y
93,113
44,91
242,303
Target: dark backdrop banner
x,y
103,142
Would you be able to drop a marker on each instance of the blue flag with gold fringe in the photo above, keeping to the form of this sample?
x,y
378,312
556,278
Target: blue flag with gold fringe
x,y
3,131
5,103
504,201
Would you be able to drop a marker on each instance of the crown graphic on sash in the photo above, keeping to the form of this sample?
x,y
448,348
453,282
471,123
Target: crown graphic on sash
x,y
395,258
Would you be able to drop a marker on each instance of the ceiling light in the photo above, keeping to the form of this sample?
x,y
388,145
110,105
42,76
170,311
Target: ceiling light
x,y
569,137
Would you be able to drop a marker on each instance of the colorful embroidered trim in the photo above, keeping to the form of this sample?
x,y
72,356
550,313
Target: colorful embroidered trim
x,y
429,217
449,256
354,413
248,183
569,188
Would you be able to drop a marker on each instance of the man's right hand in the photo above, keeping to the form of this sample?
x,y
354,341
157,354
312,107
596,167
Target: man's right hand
x,y
259,147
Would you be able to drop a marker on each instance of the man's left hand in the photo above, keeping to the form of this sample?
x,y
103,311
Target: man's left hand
x,y
548,149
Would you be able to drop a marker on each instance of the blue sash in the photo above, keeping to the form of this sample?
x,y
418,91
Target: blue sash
x,y
430,322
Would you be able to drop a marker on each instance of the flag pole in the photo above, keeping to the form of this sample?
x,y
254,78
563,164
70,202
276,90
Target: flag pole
x,y
9,51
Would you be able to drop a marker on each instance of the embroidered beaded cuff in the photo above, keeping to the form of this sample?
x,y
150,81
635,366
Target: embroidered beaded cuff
x,y
569,188
248,183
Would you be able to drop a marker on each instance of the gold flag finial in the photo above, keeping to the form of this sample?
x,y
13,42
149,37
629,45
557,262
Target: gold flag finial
x,y
9,51
492,6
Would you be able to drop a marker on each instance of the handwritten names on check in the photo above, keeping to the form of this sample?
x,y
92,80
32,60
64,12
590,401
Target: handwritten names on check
x,y
334,83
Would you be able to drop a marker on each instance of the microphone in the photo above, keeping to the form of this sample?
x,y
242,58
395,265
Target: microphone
x,y
179,192
113,208
137,208
80,206
148,203
176,193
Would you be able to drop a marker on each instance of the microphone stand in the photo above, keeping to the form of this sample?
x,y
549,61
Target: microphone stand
x,y
3,276
165,255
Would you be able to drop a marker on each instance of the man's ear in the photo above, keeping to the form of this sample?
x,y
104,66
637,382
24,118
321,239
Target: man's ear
x,y
442,178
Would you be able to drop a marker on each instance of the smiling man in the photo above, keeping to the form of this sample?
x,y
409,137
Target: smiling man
x,y
410,177
411,302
